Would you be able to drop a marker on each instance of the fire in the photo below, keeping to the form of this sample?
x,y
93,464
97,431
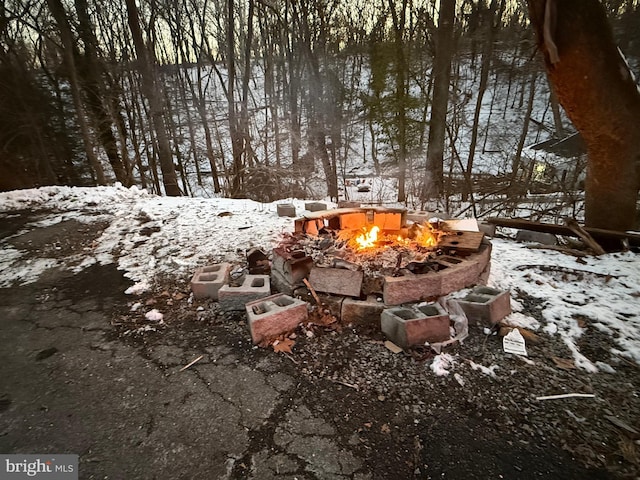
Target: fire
x,y
418,235
427,236
367,239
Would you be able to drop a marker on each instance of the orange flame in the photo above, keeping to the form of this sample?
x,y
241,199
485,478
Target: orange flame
x,y
367,239
427,237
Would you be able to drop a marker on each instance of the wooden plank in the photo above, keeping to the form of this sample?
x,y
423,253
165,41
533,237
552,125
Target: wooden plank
x,y
463,241
633,237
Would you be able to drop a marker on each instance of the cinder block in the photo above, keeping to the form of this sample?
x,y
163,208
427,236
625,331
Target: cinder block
x,y
280,284
207,281
527,236
286,210
488,229
348,204
423,216
353,220
362,312
234,298
315,206
258,262
389,220
275,315
293,266
332,303
415,325
486,305
336,280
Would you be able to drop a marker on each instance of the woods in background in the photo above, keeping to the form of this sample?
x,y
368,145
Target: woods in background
x,y
262,99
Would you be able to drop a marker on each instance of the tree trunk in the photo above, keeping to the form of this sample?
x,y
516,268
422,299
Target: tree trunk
x,y
487,52
95,92
401,93
596,89
152,90
433,184
58,12
234,130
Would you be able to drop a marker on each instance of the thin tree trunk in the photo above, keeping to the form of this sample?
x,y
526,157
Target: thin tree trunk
x,y
525,130
95,92
433,183
555,109
234,130
153,92
484,77
58,12
401,96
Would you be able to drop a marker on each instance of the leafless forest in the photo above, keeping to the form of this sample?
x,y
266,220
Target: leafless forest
x,y
271,99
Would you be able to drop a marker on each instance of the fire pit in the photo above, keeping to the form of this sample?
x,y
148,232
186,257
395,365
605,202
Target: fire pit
x,y
372,253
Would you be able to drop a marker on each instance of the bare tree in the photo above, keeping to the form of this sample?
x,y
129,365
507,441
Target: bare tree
x,y
153,93
433,182
68,45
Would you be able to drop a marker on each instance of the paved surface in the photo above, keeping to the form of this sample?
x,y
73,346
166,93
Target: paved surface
x,y
70,385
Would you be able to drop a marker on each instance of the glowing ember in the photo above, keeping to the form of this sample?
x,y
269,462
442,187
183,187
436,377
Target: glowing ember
x,y
367,239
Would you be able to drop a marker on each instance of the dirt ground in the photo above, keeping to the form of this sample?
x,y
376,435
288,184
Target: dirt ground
x,y
81,374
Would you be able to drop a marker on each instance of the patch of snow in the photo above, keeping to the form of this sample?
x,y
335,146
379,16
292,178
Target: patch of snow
x,y
490,371
442,364
154,315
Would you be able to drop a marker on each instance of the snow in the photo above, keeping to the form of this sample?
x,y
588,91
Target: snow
x,y
150,237
442,364
154,316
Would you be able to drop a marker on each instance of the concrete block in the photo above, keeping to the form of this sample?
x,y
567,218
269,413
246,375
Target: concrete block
x,y
409,288
488,229
234,298
389,220
333,303
258,262
415,325
362,312
293,266
286,210
527,236
315,206
207,281
280,283
353,221
486,305
275,315
423,216
348,204
336,280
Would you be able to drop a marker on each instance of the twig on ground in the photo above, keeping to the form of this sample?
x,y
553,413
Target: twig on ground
x,y
566,395
192,363
313,292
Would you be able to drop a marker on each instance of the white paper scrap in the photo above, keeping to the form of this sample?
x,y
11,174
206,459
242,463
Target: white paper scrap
x,y
513,342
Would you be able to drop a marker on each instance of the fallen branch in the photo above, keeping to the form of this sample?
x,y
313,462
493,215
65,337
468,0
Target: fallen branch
x,y
633,237
584,236
192,363
566,395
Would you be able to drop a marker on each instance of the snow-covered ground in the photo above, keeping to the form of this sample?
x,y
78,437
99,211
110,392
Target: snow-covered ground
x,y
150,237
